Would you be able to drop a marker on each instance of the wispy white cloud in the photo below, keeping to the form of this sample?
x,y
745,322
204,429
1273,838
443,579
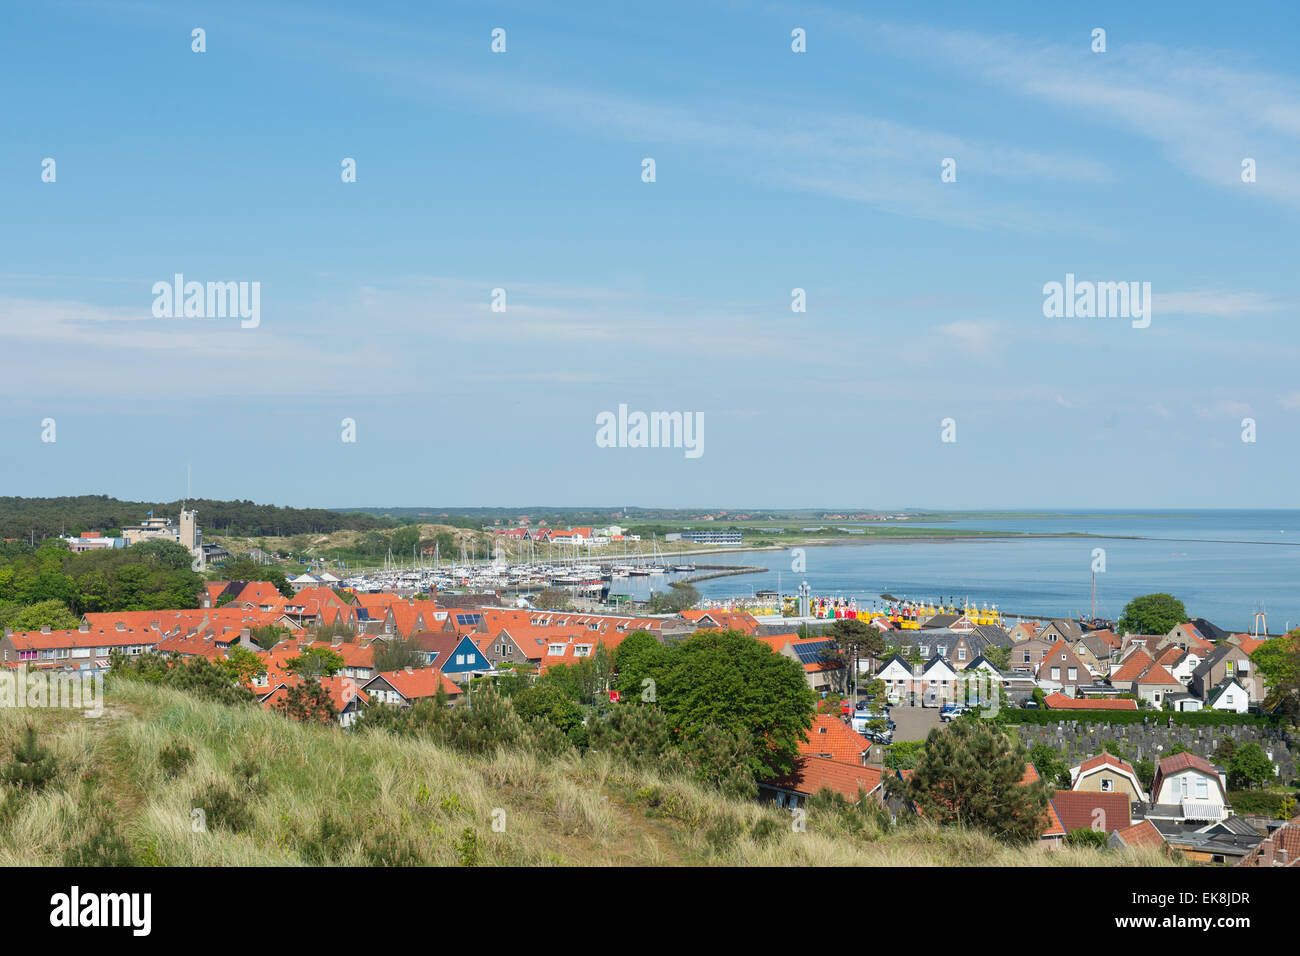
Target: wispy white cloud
x,y
1214,302
1205,110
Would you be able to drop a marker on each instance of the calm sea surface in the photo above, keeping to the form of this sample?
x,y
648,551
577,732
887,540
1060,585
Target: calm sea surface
x,y
1223,565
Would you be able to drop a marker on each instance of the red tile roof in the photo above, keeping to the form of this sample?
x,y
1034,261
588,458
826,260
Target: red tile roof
x,y
1157,675
1112,639
1142,834
1062,702
1134,665
832,738
1078,810
1249,644
1284,840
414,684
812,773
1052,826
1106,760
259,593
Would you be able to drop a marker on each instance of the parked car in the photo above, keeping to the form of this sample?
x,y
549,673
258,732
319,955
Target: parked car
x,y
1029,704
949,712
885,737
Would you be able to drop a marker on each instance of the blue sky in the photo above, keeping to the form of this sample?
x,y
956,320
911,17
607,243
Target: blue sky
x,y
774,170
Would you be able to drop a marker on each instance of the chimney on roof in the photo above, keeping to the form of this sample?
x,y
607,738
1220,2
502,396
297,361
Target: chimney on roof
x,y
1266,853
83,627
119,626
45,629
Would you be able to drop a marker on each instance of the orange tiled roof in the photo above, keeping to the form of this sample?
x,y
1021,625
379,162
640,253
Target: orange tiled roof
x,y
1134,665
416,683
832,738
1077,810
812,773
1104,759
1157,675
1062,702
1052,826
1142,834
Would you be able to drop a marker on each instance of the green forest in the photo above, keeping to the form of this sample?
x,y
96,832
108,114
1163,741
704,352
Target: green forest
x,y
38,518
51,585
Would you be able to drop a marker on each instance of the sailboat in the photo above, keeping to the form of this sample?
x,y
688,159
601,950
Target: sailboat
x,y
655,566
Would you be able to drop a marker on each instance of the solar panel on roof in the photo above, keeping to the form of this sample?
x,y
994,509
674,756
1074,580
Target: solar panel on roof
x,y
812,653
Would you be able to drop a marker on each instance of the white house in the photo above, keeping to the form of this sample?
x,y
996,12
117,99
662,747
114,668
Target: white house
x,y
937,683
1192,785
1229,695
897,676
1183,669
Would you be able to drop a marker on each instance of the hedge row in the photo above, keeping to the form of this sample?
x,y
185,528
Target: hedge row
x,y
1269,803
1195,718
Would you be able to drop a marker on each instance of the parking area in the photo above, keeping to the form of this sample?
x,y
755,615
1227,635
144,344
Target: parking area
x,y
914,723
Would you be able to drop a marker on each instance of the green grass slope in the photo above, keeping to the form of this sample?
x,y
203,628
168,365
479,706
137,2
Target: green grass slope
x,y
274,792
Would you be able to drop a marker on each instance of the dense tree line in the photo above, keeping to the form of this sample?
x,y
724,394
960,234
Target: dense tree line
x,y
24,518
35,582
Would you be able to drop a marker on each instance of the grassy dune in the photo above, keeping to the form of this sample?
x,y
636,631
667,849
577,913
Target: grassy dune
x,y
280,793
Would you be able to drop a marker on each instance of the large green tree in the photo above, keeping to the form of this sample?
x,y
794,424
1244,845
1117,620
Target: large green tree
x,y
729,680
681,596
857,640
1278,661
640,657
52,613
1152,614
972,773
315,662
394,654
1249,768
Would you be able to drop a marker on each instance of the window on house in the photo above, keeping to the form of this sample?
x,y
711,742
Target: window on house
x,y
1202,788
1073,673
961,653
1027,657
1056,673
460,658
1107,785
1229,670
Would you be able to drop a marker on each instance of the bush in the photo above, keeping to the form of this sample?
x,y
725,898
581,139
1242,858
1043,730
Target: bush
x,y
1279,806
1087,836
330,840
225,809
103,846
32,766
173,758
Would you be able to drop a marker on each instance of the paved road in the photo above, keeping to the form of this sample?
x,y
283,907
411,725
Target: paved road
x,y
914,723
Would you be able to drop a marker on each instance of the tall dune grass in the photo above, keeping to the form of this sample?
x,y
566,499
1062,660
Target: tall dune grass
x,y
275,792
